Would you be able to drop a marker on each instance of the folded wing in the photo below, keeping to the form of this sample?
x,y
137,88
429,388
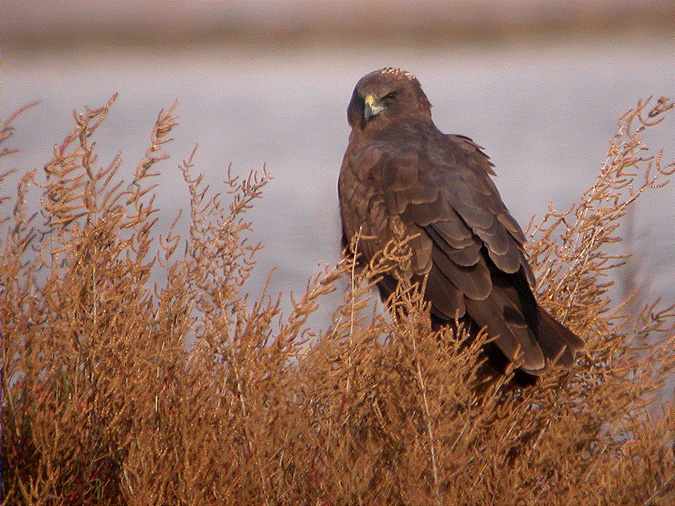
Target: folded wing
x,y
469,246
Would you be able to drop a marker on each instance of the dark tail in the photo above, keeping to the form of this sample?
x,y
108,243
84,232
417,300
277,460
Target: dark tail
x,y
512,312
556,340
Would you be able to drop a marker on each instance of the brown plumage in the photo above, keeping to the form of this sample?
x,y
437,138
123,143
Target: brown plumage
x,y
400,169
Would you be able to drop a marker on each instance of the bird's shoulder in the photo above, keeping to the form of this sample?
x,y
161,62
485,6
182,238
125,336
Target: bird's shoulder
x,y
472,154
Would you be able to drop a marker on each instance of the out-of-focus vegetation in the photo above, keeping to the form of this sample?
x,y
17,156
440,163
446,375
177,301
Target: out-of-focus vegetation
x,y
103,402
303,23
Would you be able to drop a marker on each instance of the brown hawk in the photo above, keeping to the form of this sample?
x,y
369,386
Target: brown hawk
x,y
400,170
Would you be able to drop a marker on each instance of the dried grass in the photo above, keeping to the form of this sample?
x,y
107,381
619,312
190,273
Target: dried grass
x,y
103,402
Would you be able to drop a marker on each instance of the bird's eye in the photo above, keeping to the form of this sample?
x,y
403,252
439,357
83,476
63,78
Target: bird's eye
x,y
390,96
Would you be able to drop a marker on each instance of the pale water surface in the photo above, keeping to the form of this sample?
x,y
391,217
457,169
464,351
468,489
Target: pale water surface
x,y
544,114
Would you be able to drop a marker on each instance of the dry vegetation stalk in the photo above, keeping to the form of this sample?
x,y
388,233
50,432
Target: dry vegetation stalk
x,y
115,391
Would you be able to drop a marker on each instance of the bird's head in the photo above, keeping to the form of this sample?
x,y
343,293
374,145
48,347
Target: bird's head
x,y
384,95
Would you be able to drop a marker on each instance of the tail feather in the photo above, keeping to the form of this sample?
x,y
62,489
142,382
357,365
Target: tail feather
x,y
513,313
514,335
525,332
556,340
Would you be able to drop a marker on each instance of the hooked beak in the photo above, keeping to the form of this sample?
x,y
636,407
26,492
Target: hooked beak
x,y
372,107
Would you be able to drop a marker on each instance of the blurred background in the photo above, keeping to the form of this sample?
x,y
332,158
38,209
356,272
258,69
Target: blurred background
x,y
539,84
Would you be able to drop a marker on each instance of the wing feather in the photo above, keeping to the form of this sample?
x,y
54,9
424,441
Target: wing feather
x,y
426,213
465,256
454,231
474,281
403,174
447,301
466,242
510,261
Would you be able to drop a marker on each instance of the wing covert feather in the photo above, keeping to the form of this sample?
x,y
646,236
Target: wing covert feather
x,y
409,178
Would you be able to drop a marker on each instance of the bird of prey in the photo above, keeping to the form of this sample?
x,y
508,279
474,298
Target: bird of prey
x,y
400,172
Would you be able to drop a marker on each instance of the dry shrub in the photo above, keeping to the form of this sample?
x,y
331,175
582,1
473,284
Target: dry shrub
x,y
104,402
